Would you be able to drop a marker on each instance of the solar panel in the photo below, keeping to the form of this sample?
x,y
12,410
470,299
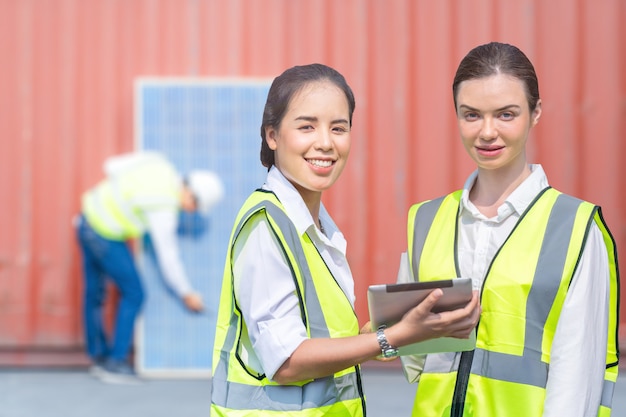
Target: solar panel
x,y
199,124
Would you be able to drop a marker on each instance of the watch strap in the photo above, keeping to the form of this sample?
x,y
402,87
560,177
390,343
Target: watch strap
x,y
387,350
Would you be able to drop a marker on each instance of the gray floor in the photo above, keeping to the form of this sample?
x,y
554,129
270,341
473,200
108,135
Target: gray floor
x,y
74,393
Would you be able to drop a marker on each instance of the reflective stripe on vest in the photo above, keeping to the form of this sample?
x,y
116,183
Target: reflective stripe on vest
x,y
235,389
550,265
419,238
114,208
113,213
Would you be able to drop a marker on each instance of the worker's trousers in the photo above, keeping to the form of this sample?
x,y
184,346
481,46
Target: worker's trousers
x,y
102,259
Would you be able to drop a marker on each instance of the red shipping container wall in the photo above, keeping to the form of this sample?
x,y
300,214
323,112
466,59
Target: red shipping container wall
x,y
66,103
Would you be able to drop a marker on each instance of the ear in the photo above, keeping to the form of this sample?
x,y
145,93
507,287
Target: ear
x,y
536,113
270,138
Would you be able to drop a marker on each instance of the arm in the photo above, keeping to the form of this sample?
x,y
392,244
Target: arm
x,y
162,225
265,293
315,358
578,354
319,357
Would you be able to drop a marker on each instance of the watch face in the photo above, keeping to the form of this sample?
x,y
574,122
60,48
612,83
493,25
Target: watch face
x,y
390,353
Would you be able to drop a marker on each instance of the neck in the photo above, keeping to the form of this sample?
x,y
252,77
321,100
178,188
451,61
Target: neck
x,y
313,201
492,188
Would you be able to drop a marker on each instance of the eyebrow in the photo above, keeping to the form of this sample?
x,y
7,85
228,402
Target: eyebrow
x,y
315,119
508,106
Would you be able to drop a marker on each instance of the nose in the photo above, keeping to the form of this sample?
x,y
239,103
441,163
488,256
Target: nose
x,y
488,130
324,140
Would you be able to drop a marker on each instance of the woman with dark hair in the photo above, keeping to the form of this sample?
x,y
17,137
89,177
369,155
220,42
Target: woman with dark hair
x,y
544,262
287,337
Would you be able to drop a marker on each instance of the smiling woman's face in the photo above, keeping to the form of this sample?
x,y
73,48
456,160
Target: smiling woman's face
x,y
494,121
312,144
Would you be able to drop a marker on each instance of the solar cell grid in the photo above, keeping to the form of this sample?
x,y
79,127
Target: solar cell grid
x,y
199,124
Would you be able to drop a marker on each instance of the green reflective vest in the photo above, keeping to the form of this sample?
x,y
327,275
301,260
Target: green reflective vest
x,y
237,389
115,207
522,296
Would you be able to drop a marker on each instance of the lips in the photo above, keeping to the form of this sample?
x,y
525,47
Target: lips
x,y
489,152
489,149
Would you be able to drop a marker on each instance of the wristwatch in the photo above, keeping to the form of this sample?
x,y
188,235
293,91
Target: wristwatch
x,y
387,350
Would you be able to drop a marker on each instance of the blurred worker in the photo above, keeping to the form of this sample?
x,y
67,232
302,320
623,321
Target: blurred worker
x,y
142,192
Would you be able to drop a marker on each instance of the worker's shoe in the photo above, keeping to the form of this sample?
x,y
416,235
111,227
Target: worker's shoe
x,y
97,367
118,372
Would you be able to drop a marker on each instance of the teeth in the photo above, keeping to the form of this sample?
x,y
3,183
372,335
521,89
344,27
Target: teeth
x,y
320,163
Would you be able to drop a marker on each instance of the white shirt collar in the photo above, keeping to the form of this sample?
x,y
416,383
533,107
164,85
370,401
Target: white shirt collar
x,y
299,213
518,201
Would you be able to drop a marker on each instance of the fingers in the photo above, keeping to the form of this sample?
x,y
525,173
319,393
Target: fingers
x,y
429,302
465,334
193,302
420,312
421,323
471,310
462,322
474,308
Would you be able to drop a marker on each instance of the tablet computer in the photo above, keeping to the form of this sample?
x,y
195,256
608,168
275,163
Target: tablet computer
x,y
389,302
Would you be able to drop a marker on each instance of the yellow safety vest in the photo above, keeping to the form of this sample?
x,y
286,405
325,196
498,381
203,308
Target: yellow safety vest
x,y
115,207
237,389
506,374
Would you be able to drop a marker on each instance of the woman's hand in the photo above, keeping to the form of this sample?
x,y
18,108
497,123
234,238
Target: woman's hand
x,y
193,302
421,323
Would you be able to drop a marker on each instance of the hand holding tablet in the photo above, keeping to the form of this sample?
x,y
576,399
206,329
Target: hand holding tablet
x,y
389,302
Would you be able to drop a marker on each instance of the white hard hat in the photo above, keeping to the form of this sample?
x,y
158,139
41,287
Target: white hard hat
x,y
207,187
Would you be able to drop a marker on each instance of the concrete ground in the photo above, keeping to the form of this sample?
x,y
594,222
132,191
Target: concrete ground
x,y
75,393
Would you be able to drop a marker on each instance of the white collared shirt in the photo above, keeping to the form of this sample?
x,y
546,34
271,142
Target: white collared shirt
x,y
578,353
263,282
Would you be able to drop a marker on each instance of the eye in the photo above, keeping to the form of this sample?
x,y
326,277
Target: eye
x,y
340,129
507,115
306,127
471,116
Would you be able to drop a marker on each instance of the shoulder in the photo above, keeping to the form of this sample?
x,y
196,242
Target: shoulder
x,y
568,200
451,198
